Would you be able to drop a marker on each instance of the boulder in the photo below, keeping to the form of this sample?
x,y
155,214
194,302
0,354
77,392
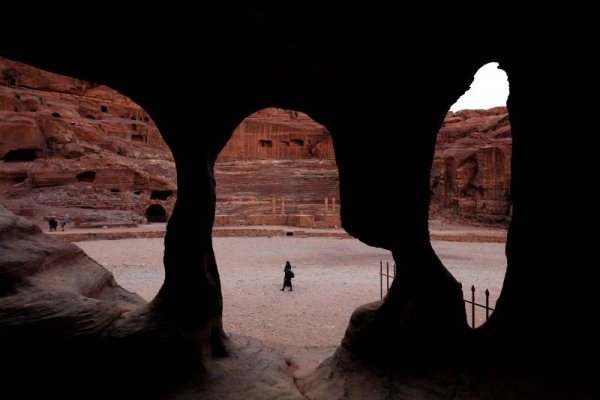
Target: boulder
x,y
72,150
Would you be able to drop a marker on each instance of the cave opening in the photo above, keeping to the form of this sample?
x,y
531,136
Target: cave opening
x,y
161,194
470,206
19,178
265,143
156,213
86,176
137,138
56,115
20,155
103,109
287,195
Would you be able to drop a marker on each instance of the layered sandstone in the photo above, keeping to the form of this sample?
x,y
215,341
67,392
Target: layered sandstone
x,y
470,176
56,282
278,168
74,149
278,134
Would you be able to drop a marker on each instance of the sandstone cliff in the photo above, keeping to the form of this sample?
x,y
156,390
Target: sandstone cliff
x,y
279,134
75,149
470,176
278,168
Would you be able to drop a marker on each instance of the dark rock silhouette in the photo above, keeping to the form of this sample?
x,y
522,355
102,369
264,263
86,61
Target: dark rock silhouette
x,y
326,63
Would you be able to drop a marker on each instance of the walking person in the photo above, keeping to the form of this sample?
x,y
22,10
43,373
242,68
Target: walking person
x,y
288,275
52,224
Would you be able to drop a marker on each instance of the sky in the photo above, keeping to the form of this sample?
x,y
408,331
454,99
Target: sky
x,y
488,89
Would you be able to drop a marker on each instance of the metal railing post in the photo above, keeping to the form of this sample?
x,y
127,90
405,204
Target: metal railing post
x,y
473,306
387,274
487,304
472,301
380,280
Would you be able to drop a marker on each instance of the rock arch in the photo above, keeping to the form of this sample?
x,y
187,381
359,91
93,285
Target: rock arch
x,y
470,180
345,80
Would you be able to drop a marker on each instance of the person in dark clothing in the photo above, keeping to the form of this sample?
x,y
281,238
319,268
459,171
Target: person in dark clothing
x,y
52,224
288,275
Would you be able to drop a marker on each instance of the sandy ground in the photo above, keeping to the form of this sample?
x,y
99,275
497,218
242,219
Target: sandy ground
x,y
333,277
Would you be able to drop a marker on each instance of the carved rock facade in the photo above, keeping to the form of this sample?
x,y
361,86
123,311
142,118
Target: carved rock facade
x,y
470,175
73,149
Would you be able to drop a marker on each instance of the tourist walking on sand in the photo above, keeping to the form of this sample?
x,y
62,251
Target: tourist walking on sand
x,y
63,222
288,275
52,224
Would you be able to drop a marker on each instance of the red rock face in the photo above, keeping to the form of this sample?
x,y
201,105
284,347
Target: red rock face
x,y
470,176
277,169
65,110
279,134
20,135
71,147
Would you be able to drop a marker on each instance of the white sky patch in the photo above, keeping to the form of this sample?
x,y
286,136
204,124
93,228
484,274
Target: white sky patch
x,y
488,89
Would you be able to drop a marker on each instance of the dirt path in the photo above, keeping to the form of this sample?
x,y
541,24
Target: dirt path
x,y
333,277
439,230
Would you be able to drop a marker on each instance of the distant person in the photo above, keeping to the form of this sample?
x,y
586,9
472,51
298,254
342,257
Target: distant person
x,y
63,222
288,275
52,224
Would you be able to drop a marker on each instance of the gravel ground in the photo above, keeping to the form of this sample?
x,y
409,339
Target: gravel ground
x,y
333,277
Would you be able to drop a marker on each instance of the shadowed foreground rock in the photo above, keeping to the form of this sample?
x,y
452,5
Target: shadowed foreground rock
x,y
66,323
65,292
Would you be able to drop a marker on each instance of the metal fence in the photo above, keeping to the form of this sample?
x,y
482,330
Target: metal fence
x,y
472,301
387,277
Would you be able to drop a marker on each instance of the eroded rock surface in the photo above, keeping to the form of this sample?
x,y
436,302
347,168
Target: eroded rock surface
x,y
470,175
72,148
53,284
78,150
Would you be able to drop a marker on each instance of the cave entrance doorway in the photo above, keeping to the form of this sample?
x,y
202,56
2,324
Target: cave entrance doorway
x,y
161,194
20,155
470,204
86,176
156,213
